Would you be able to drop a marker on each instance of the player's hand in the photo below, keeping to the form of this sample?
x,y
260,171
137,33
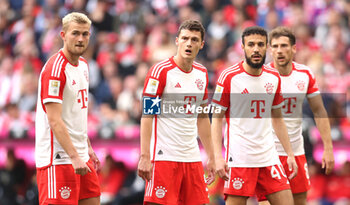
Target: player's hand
x,y
79,166
144,168
328,161
222,168
211,172
94,159
292,166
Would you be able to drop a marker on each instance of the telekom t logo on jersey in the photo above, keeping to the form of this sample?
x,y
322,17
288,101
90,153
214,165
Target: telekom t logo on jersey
x,y
82,98
189,100
289,104
257,107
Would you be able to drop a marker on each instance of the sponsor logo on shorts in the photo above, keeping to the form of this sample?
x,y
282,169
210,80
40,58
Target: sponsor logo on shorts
x,y
237,183
160,192
65,192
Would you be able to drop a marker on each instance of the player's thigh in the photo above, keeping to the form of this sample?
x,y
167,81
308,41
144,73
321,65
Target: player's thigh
x,y
90,201
164,186
265,202
300,198
193,189
236,200
281,197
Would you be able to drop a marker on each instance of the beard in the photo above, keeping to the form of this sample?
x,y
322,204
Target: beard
x,y
255,65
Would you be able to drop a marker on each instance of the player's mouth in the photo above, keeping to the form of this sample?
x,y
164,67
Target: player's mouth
x,y
80,45
188,51
256,57
281,58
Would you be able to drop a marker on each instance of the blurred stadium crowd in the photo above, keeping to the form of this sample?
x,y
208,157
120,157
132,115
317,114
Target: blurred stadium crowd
x,y
128,37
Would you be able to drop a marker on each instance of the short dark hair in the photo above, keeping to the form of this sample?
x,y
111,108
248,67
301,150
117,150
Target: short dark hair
x,y
254,30
192,25
282,31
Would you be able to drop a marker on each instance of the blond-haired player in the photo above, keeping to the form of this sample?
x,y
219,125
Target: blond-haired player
x,y
66,163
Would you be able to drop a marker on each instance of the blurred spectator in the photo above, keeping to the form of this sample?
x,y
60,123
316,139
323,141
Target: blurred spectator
x,y
28,97
17,123
161,43
131,192
9,79
338,186
11,179
318,184
111,176
101,19
31,194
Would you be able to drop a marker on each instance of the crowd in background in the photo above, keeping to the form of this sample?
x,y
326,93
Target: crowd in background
x,y
129,36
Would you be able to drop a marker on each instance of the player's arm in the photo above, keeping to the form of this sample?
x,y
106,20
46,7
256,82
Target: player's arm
x,y
144,168
203,124
216,130
59,129
93,156
322,123
282,134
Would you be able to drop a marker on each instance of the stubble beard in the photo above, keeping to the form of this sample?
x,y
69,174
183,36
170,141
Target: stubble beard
x,y
76,52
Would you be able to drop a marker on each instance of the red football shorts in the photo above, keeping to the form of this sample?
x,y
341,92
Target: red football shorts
x,y
300,183
176,183
256,180
58,184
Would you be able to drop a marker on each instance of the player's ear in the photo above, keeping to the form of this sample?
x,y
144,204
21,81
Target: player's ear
x,y
177,41
294,48
202,44
62,34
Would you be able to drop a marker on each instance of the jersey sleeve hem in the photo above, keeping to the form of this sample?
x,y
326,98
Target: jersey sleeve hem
x,y
55,100
313,94
277,106
218,105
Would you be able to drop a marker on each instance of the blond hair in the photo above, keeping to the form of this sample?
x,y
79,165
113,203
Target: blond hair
x,y
74,17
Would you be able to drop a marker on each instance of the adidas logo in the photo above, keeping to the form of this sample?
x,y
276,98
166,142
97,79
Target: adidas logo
x,y
160,152
245,91
73,83
178,85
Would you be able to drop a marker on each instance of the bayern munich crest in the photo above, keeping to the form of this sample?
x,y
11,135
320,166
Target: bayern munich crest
x,y
160,192
200,84
237,183
65,192
269,88
300,84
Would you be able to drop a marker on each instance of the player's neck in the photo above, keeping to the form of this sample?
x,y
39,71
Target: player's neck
x,y
250,70
184,64
72,59
284,70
